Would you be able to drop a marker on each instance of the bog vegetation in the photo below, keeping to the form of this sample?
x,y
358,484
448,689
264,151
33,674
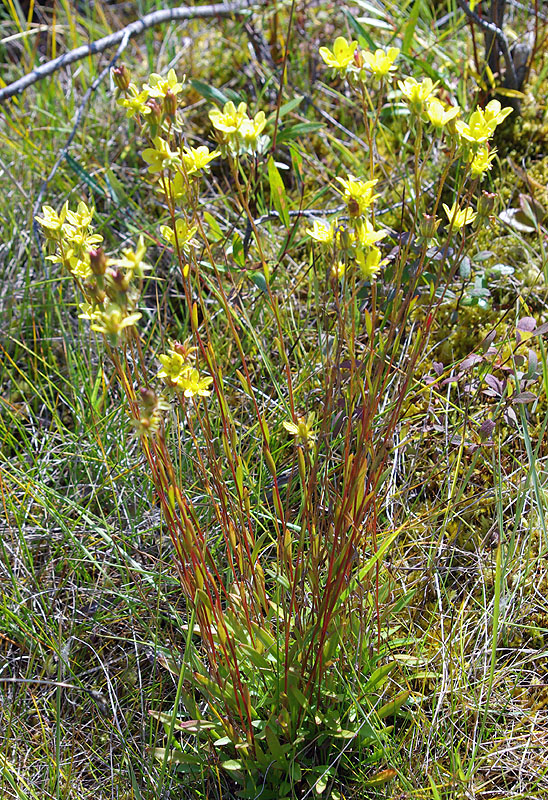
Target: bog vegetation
x,y
274,404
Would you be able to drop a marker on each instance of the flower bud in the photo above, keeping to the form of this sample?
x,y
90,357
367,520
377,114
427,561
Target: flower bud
x,y
429,226
486,204
98,261
148,398
155,115
120,280
170,104
94,293
121,77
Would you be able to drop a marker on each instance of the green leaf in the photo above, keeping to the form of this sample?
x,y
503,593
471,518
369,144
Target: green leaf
x,y
297,161
344,734
360,30
286,108
222,741
465,268
215,233
379,676
409,32
277,191
274,745
177,757
296,694
259,280
232,765
392,708
209,92
290,132
84,175
116,190
256,658
238,250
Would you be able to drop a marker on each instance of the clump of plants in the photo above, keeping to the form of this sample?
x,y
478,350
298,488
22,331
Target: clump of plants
x,y
269,455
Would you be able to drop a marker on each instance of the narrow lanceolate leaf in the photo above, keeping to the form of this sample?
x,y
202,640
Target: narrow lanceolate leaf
x,y
210,92
381,777
409,31
277,192
392,708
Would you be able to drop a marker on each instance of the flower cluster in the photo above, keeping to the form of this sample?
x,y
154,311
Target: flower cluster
x,y
156,101
155,106
356,241
179,373
70,235
237,132
472,137
347,59
111,287
423,102
475,134
354,238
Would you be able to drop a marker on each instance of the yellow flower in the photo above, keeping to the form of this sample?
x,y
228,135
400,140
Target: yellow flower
x,y
52,222
88,311
133,260
482,123
459,217
369,262
342,55
438,114
236,129
302,428
417,93
482,162
322,231
192,385
366,235
230,118
80,238
495,113
173,365
184,234
251,129
113,320
81,218
160,156
358,195
160,86
381,62
178,373
135,102
197,158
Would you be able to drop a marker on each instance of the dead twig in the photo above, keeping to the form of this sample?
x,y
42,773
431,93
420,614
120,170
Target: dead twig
x,y
133,29
498,33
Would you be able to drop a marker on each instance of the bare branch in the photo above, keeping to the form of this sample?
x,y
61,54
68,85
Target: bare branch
x,y
124,35
501,38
